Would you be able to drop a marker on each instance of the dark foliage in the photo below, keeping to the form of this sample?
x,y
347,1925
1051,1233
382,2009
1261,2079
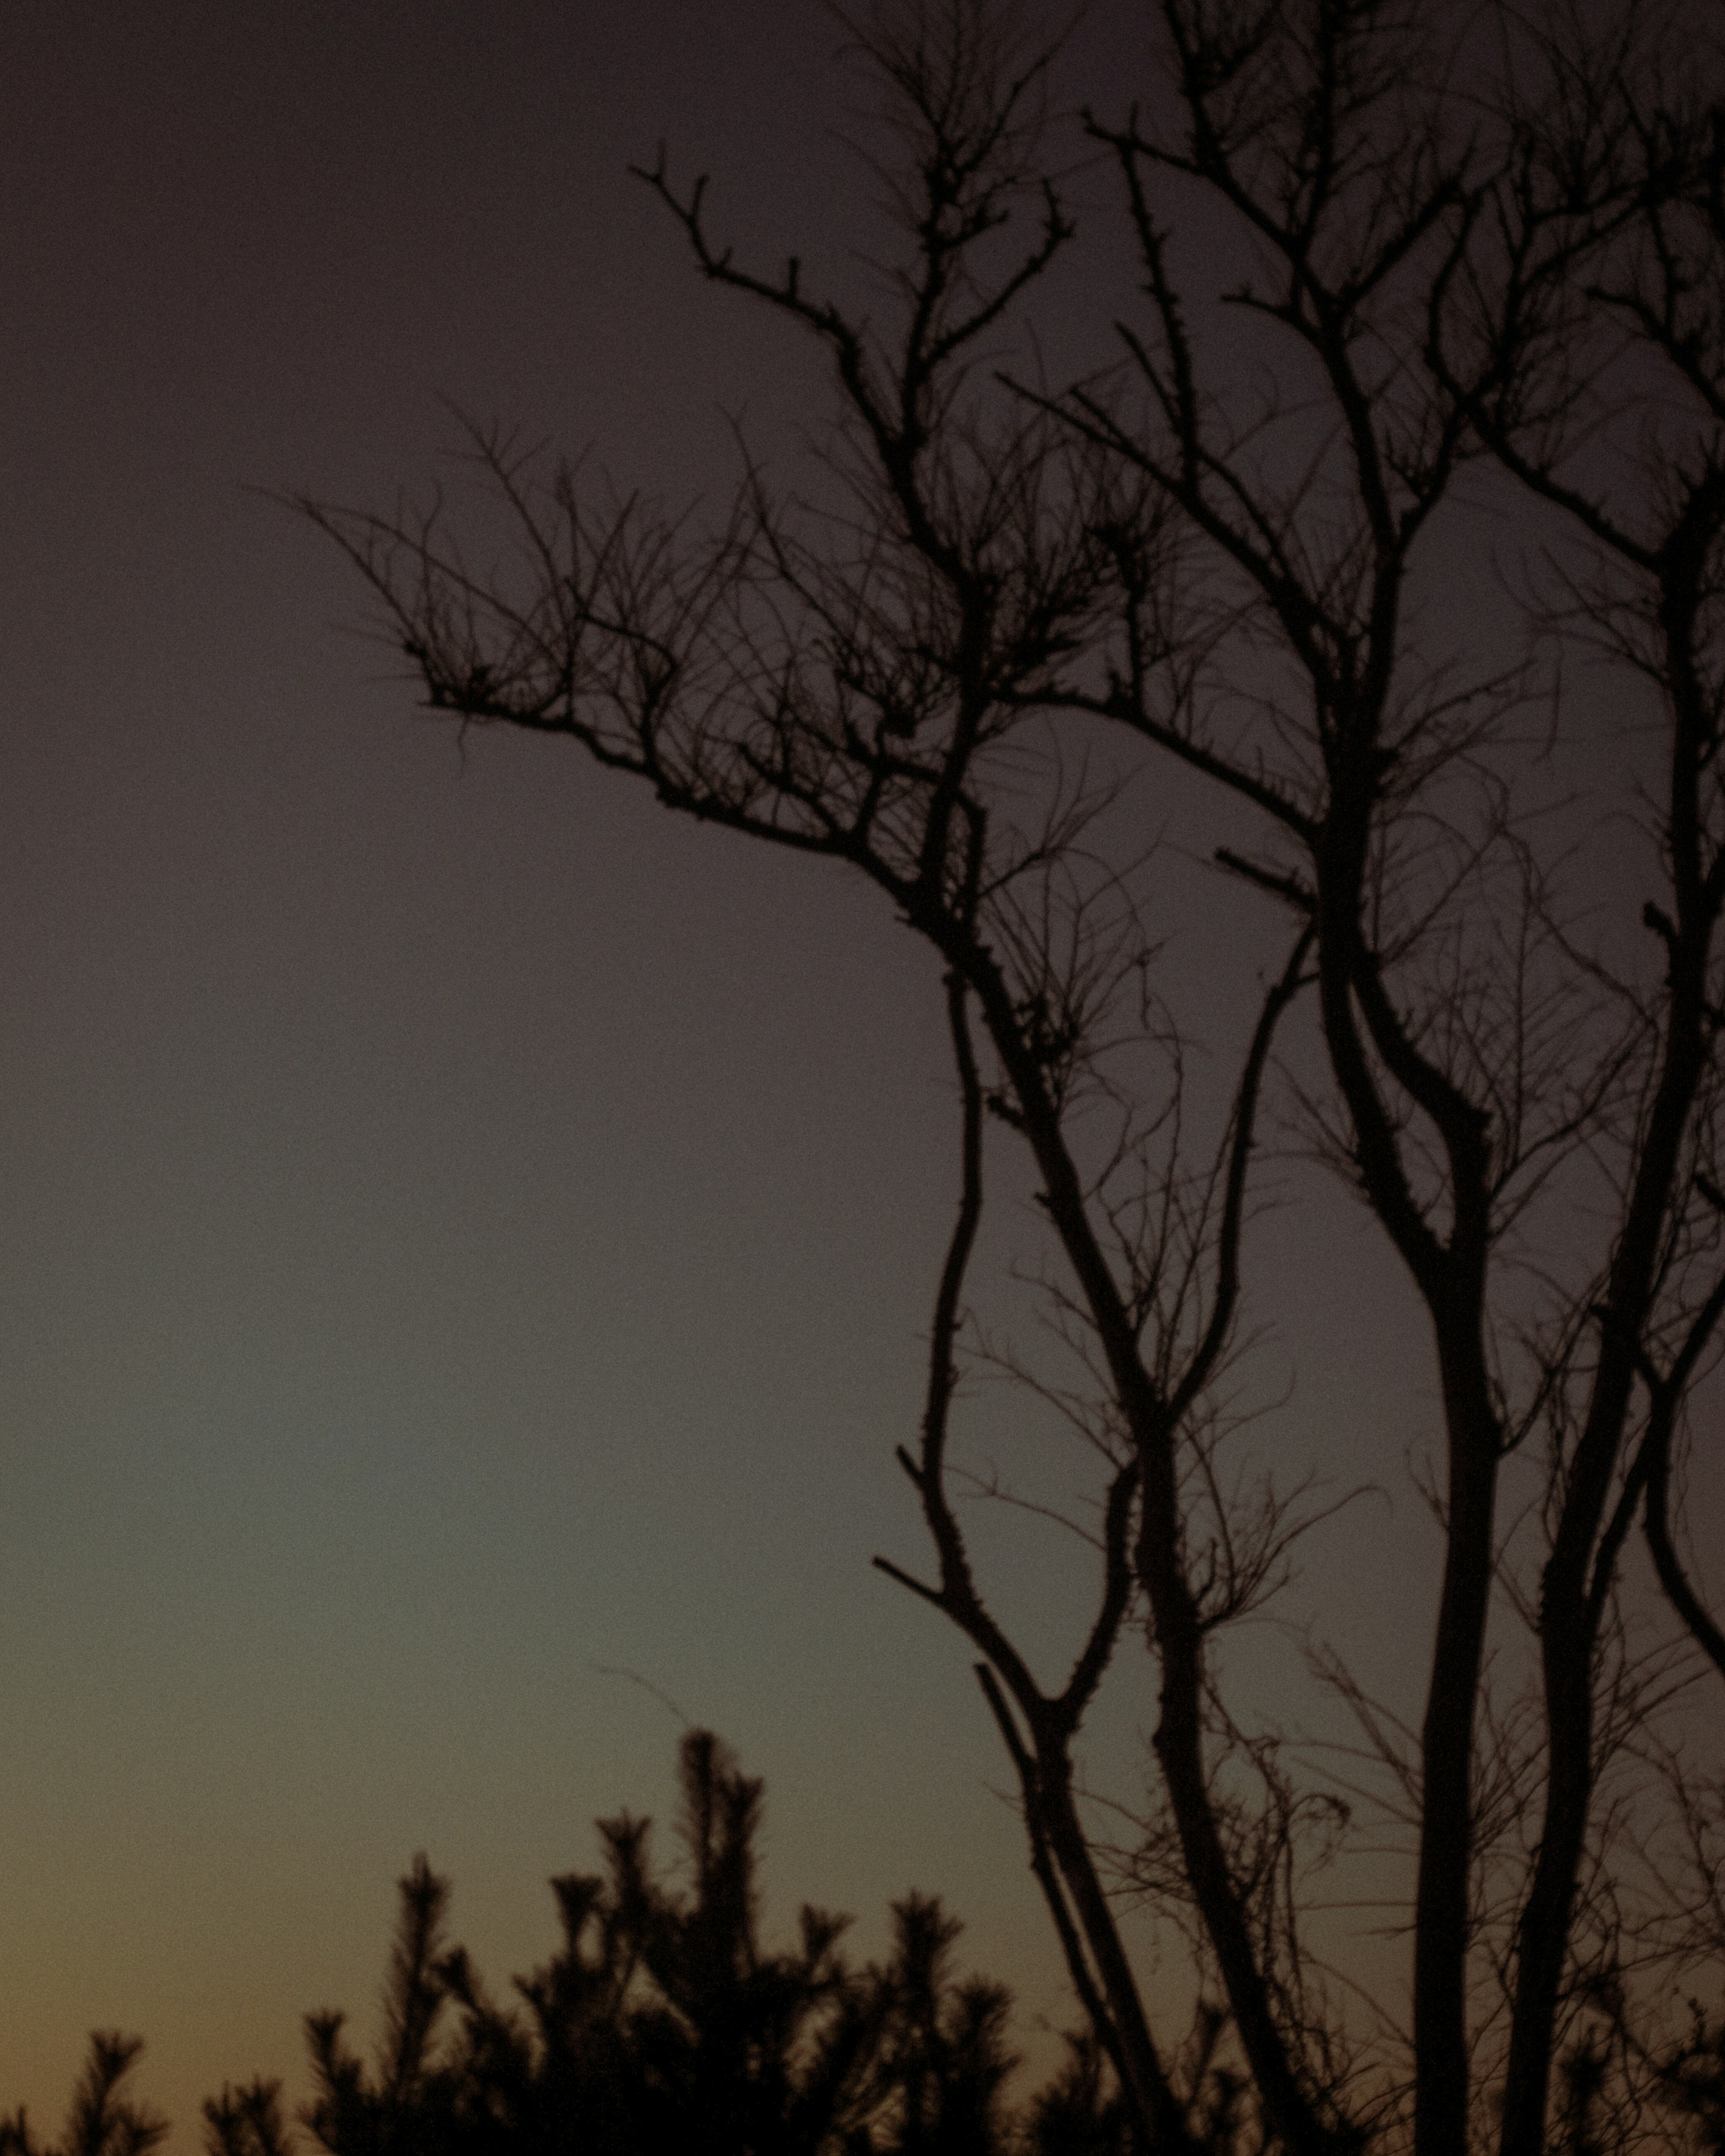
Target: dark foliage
x,y
1415,282
662,2021
101,2121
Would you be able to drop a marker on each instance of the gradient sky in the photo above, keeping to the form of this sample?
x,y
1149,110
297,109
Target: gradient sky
x,y
463,1231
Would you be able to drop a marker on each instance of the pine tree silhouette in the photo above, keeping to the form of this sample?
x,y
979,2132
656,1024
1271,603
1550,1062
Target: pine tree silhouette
x,y
101,2122
246,2121
662,2021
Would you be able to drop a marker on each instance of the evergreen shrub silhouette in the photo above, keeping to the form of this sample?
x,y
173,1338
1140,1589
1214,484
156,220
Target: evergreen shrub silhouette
x,y
101,2122
661,2022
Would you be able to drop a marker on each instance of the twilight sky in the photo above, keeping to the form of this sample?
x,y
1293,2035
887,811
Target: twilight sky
x,y
463,1231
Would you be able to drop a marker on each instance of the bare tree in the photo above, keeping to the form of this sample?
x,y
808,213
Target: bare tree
x,y
1447,270
1471,1067
1596,289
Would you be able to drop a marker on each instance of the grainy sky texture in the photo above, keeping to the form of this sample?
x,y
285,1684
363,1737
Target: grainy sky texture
x,y
465,1232
461,1227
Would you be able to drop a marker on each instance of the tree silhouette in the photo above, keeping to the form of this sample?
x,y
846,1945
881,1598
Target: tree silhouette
x,y
664,2022
1483,278
100,2122
247,2121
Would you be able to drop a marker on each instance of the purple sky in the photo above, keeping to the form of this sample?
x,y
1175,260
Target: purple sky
x,y
462,1228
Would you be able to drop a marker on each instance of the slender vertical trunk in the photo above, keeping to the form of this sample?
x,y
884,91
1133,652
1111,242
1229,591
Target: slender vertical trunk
x,y
1161,1571
1570,1603
1569,1629
1180,1748
1064,1865
1450,1273
1153,2095
1441,1890
1542,1935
